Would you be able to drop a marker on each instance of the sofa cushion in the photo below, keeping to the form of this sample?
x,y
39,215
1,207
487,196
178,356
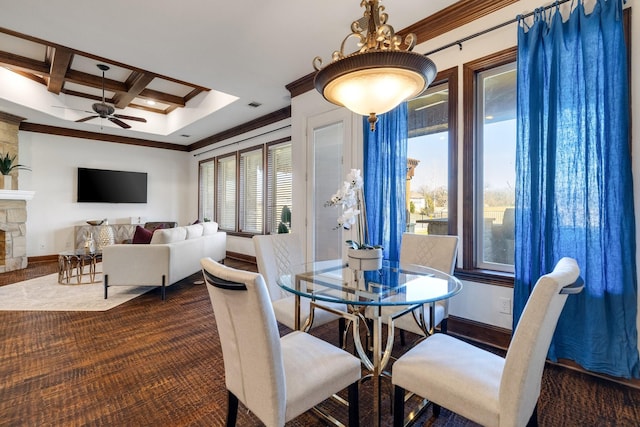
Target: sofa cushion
x,y
209,227
194,231
142,236
169,235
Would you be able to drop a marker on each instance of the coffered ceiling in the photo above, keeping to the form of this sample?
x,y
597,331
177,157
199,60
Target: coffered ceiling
x,y
209,65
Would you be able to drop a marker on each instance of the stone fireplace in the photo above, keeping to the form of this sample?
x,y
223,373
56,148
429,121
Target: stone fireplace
x,y
13,236
13,203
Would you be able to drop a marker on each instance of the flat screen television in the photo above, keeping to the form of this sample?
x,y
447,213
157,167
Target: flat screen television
x,y
111,186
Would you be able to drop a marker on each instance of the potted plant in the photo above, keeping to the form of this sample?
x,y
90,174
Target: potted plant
x,y
362,255
8,164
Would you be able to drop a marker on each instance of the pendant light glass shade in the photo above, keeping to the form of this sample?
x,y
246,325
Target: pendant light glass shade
x,y
378,77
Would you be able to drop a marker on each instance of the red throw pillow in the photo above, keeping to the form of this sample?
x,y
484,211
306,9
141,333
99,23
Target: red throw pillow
x,y
142,236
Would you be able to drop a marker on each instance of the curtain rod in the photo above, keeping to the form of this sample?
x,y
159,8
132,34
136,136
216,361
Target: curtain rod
x,y
242,140
488,30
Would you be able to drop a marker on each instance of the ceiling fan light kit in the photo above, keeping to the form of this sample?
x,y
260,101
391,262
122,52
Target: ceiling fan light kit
x,y
106,111
380,75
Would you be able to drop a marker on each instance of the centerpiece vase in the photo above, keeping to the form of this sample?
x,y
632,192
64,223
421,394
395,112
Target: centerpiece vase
x,y
365,259
105,237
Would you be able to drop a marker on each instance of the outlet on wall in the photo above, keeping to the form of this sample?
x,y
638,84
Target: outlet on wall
x,y
505,305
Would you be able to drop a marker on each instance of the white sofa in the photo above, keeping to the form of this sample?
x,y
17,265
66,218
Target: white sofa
x,y
172,255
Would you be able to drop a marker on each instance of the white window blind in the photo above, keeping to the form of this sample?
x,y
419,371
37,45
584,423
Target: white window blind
x,y
207,190
279,188
251,191
226,201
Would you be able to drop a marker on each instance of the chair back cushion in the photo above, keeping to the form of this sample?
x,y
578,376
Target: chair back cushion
x,y
250,341
524,364
429,250
275,254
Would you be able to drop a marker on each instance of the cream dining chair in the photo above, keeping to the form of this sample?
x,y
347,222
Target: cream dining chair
x,y
482,386
427,250
276,254
275,378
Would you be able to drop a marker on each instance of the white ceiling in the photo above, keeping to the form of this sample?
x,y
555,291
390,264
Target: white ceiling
x,y
246,49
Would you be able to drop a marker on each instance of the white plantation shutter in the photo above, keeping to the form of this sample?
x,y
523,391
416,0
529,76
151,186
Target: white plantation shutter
x,y
226,200
252,191
207,190
279,184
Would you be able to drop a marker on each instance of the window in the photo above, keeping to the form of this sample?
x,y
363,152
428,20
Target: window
x,y
279,188
251,191
206,175
432,158
489,163
238,193
226,193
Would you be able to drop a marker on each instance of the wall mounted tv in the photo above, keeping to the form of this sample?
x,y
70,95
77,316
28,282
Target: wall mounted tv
x,y
110,186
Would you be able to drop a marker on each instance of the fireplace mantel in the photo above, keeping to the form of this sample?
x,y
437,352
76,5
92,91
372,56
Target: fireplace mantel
x,y
16,195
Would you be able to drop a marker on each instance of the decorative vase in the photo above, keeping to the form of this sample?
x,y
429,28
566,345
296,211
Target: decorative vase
x,y
105,237
365,259
7,181
89,242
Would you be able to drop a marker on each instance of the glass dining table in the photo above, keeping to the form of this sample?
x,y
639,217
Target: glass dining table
x,y
410,288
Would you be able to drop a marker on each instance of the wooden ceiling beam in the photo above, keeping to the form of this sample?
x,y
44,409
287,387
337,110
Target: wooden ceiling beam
x,y
136,83
162,97
86,79
60,61
23,63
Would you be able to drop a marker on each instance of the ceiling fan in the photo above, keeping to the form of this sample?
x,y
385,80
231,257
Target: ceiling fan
x,y
106,111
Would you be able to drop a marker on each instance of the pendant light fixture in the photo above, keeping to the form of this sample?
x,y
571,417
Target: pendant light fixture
x,y
380,75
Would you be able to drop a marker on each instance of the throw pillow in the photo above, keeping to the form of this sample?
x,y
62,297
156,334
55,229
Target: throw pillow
x,y
142,236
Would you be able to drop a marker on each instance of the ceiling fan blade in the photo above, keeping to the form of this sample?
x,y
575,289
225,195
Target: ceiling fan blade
x,y
119,122
137,119
72,109
86,118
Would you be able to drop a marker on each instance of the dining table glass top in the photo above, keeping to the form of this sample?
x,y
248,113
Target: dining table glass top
x,y
392,285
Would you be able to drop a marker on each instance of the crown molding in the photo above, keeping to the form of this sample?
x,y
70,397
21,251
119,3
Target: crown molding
x,y
72,133
10,118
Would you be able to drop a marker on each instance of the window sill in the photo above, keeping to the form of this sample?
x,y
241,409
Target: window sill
x,y
490,277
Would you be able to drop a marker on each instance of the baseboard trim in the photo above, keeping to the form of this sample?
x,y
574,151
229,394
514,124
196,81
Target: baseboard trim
x,y
241,257
479,332
42,258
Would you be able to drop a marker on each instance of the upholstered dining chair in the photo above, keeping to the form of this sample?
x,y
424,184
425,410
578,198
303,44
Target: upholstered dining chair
x,y
276,254
482,386
428,250
275,378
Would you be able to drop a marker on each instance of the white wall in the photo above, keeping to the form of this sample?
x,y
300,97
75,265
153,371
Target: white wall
x,y
53,212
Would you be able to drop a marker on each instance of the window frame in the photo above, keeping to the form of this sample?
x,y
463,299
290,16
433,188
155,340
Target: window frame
x,y
241,190
270,212
219,182
469,270
449,77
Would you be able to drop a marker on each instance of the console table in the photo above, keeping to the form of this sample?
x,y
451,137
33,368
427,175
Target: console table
x,y
121,232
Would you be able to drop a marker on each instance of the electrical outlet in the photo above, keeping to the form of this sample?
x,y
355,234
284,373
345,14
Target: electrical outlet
x,y
505,305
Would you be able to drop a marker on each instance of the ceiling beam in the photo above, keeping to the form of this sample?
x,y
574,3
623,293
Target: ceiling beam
x,y
162,97
136,83
86,79
23,63
60,62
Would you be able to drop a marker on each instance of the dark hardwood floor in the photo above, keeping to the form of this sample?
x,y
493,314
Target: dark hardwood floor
x,y
154,363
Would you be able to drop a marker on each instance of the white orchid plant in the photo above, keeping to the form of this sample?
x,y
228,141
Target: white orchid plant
x,y
351,199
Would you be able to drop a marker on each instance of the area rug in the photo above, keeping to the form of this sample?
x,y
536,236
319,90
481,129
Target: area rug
x,y
46,294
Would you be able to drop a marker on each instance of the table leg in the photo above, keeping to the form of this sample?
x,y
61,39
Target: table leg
x,y
377,365
92,269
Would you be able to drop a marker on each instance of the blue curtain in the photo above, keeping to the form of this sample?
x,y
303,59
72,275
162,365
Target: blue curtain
x,y
574,194
385,179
